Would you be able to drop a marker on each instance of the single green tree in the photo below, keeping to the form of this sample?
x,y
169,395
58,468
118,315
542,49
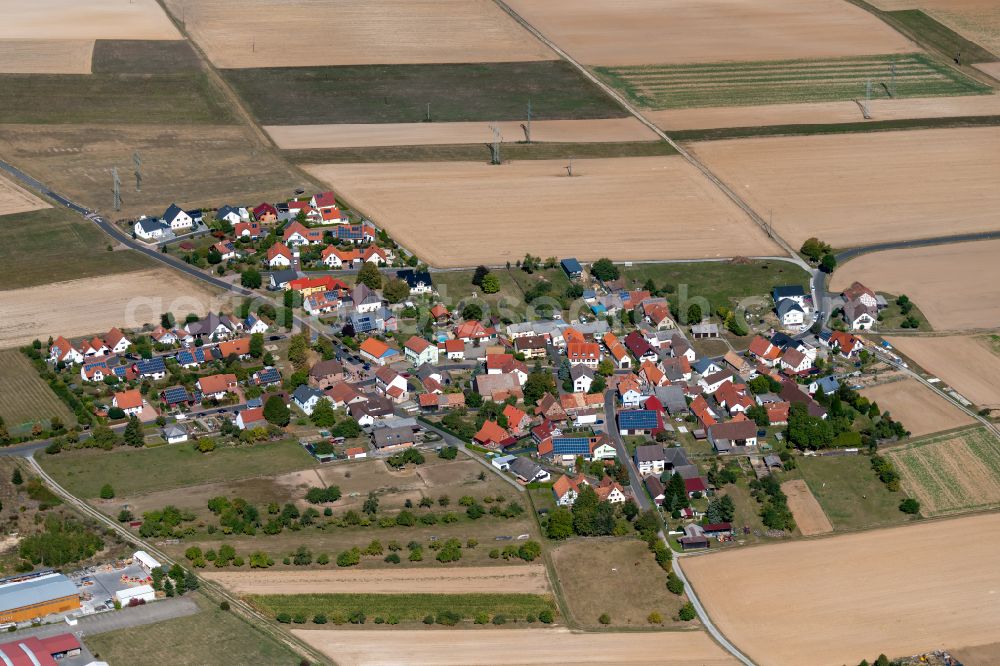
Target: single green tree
x,y
396,290
604,270
491,284
107,492
16,477
472,312
370,276
133,432
251,279
910,506
276,411
828,263
694,314
323,415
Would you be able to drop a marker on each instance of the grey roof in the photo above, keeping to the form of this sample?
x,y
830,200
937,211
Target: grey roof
x,y
675,456
172,211
687,471
768,398
415,278
283,276
383,437
571,266
703,364
174,430
828,384
710,329
787,305
226,210
525,468
303,393
772,460
578,371
672,397
151,224
35,591
649,453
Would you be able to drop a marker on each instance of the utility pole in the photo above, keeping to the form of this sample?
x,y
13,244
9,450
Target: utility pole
x,y
138,171
118,188
495,145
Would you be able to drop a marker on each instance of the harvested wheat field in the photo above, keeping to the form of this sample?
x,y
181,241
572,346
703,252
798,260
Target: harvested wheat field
x,y
824,112
93,19
951,473
80,307
896,591
917,407
46,56
15,199
528,579
875,187
463,213
190,165
514,647
962,295
809,516
976,20
991,68
355,32
643,32
967,364
296,137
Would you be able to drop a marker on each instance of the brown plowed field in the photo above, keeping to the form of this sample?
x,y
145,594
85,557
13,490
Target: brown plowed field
x,y
294,137
917,407
46,56
463,213
962,295
15,199
90,305
809,516
856,189
528,579
966,363
93,19
839,600
825,112
514,647
991,68
301,33
976,20
646,32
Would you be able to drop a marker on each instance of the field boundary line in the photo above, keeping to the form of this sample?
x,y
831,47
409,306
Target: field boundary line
x,y
247,612
689,157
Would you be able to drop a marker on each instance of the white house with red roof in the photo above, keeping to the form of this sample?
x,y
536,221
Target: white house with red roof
x,y
297,233
130,402
324,201
334,257
63,350
247,230
279,256
391,384
419,351
116,342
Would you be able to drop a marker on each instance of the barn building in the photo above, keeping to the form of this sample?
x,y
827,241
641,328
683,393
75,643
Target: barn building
x,y
30,596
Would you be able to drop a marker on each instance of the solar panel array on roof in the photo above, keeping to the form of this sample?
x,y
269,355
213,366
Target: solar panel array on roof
x,y
176,394
120,371
571,445
151,366
268,376
640,419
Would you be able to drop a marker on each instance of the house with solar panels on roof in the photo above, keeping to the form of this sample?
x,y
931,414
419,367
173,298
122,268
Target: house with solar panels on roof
x,y
565,450
153,368
175,396
268,376
640,422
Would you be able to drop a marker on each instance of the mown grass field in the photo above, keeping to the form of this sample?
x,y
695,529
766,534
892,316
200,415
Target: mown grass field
x,y
24,398
405,607
134,471
209,638
52,245
849,492
952,473
401,93
182,98
788,81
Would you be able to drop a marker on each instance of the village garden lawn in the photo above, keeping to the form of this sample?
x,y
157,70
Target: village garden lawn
x,y
851,495
25,399
133,471
456,287
722,283
617,576
52,245
210,638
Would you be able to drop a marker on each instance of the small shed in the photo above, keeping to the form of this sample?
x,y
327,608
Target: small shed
x,y
140,592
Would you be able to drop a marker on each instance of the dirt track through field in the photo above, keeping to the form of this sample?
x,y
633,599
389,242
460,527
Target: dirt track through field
x,y
93,19
94,305
962,295
966,363
16,199
463,213
528,579
856,189
46,56
809,516
301,33
645,32
824,112
896,591
917,407
515,647
293,137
